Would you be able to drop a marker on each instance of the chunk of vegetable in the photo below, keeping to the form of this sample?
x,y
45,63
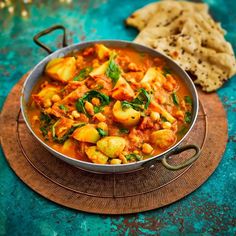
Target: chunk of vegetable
x,y
81,102
102,51
115,161
68,147
163,138
45,95
87,133
62,69
122,90
153,78
83,74
96,156
158,108
111,146
99,70
61,127
127,116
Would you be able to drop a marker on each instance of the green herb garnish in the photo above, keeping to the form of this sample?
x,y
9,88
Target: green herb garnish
x,y
140,103
113,71
182,131
63,107
163,118
142,98
104,100
166,71
175,99
83,74
188,100
124,130
133,157
67,134
102,132
188,117
46,123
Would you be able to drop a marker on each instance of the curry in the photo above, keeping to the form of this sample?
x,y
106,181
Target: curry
x,y
109,105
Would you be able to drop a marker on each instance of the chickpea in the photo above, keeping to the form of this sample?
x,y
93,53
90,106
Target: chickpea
x,y
96,101
89,108
100,117
115,161
95,63
56,98
154,116
147,148
166,125
75,114
102,125
47,103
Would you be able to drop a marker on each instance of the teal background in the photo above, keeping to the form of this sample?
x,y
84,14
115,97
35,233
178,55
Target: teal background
x,y
210,210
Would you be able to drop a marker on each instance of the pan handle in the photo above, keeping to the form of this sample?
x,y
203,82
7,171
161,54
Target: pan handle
x,y
47,31
165,158
186,163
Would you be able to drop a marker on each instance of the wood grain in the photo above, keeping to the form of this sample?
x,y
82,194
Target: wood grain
x,y
112,193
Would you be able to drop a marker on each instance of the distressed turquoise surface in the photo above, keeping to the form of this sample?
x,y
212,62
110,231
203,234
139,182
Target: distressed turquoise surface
x,y
211,210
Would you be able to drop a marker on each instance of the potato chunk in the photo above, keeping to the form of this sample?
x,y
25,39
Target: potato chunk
x,y
111,146
86,133
153,79
45,94
99,70
127,116
102,51
62,69
122,90
96,156
163,138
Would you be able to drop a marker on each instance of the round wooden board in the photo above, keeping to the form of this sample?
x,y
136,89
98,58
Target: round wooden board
x,y
112,193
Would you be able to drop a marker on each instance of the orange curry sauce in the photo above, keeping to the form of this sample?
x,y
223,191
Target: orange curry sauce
x,y
109,105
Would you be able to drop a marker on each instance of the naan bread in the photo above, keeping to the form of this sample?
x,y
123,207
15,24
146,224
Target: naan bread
x,y
193,40
140,18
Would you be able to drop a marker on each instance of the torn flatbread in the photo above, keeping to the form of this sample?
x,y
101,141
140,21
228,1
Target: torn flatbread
x,y
194,41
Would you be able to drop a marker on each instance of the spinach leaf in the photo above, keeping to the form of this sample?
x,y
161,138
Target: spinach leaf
x,y
102,132
142,98
140,103
63,107
166,71
188,100
46,123
83,74
163,118
182,131
188,117
80,106
67,134
113,71
175,99
104,100
123,130
133,157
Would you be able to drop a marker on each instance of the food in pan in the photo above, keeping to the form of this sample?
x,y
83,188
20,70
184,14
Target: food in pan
x,y
187,33
110,105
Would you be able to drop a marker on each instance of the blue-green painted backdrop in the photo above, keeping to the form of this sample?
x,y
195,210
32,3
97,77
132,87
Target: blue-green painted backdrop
x,y
211,210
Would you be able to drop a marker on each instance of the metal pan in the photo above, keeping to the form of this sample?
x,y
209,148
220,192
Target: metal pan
x,y
37,71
